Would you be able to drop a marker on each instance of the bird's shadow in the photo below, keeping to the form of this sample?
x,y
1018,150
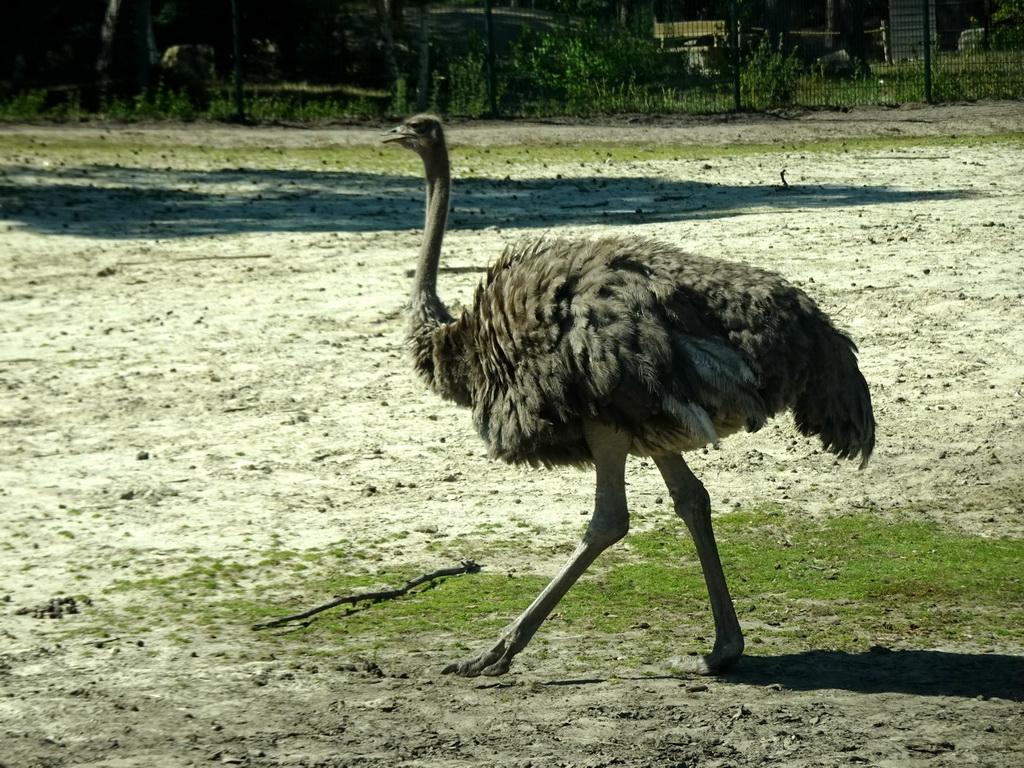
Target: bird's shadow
x,y
914,672
114,202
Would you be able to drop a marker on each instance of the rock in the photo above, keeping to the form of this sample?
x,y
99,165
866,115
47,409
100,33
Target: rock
x,y
971,40
188,68
838,64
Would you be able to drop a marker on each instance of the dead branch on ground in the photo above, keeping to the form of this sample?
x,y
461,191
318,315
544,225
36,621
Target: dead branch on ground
x,y
374,597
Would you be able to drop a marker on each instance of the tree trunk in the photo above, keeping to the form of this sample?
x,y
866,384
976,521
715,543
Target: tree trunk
x,y
127,45
107,36
390,57
423,76
143,43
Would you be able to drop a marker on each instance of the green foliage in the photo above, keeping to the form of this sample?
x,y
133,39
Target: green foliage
x,y
174,104
950,84
981,75
298,103
1008,25
1009,12
400,100
572,67
467,85
770,76
460,81
70,108
630,97
588,64
27,105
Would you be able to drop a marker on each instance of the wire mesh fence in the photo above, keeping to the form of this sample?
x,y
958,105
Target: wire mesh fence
x,y
719,55
848,52
323,58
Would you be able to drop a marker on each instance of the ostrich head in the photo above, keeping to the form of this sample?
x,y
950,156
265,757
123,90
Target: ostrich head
x,y
420,133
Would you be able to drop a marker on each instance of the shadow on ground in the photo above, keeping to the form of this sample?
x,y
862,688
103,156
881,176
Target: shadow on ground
x,y
126,203
920,673
917,673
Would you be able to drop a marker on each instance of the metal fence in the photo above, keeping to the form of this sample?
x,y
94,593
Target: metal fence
x,y
846,52
697,55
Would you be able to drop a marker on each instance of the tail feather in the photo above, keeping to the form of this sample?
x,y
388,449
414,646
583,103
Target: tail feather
x,y
836,403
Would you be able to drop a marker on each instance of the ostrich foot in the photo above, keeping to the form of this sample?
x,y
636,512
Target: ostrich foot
x,y
492,663
719,660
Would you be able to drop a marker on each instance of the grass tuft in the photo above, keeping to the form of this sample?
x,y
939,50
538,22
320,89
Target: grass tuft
x,y
843,584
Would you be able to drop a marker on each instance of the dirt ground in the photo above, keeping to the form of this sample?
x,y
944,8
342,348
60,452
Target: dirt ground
x,y
209,362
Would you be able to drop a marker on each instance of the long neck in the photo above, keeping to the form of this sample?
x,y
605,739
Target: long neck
x,y
425,302
435,350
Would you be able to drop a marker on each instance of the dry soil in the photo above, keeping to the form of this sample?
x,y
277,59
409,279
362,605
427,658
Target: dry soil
x,y
208,362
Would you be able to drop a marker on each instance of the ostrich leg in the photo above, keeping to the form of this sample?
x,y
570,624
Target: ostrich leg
x,y
694,506
609,523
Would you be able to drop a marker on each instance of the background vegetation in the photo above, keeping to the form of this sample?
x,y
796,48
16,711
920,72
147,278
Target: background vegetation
x,y
320,59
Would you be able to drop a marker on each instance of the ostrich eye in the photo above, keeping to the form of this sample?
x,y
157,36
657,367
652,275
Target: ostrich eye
x,y
422,127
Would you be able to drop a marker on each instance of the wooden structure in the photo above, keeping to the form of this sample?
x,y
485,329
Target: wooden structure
x,y
673,35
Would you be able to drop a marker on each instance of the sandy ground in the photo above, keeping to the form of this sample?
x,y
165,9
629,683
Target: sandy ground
x,y
208,362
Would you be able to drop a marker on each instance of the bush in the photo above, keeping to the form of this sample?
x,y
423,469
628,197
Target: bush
x,y
770,76
27,105
467,85
572,66
1008,25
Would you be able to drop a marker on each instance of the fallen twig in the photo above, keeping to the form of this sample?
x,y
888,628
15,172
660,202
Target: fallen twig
x,y
218,257
599,204
386,594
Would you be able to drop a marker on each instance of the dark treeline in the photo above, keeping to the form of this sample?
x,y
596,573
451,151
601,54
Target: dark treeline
x,y
546,56
78,42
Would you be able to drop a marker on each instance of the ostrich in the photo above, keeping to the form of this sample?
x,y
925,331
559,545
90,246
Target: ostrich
x,y
584,352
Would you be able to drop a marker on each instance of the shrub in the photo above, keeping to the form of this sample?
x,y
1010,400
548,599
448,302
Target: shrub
x,y
575,63
27,105
770,76
1008,25
467,85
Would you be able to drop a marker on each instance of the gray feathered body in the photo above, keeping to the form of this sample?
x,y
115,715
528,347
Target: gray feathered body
x,y
674,349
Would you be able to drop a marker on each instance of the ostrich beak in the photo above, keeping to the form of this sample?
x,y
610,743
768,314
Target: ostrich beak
x,y
397,133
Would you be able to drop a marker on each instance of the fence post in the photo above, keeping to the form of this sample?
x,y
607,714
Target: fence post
x,y
927,27
734,40
492,86
236,34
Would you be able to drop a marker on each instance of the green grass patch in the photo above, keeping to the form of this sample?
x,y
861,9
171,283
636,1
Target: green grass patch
x,y
298,102
576,153
64,154
849,582
842,584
